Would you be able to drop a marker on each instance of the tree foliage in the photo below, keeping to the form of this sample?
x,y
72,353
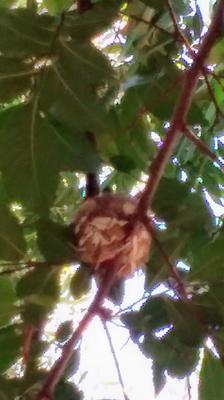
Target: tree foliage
x,y
90,87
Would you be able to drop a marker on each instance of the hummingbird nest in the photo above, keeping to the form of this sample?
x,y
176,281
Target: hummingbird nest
x,y
106,238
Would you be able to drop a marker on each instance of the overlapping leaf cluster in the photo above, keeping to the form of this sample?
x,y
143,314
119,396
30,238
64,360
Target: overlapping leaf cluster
x,y
78,92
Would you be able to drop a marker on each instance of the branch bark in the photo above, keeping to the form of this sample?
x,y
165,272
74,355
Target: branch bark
x,y
179,119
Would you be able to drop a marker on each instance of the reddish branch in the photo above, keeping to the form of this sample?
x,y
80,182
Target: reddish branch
x,y
179,286
83,6
203,147
92,186
57,370
190,80
28,335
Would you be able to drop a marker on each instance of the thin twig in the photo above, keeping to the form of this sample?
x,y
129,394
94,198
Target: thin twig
x,y
179,34
179,287
202,147
189,388
130,307
116,362
190,80
213,98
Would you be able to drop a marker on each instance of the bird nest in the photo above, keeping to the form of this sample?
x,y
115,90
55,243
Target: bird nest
x,y
106,236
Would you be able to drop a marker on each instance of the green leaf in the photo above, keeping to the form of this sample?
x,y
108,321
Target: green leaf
x,y
208,263
56,6
159,378
165,93
7,300
10,343
55,241
68,391
134,323
180,6
26,138
26,161
9,388
123,163
198,24
185,210
7,3
216,53
40,286
211,384
73,85
179,360
15,78
34,314
73,364
81,282
154,313
167,207
185,323
116,293
64,331
24,33
93,21
12,243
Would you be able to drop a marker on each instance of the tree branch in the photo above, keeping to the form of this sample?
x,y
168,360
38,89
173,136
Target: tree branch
x,y
46,393
179,287
92,185
83,6
202,147
190,80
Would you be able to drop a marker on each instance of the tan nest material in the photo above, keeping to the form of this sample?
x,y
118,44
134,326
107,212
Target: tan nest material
x,y
105,238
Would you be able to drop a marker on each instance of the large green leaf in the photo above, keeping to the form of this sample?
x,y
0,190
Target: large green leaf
x,y
185,210
208,263
179,360
55,241
68,391
15,78
159,94
81,282
24,33
10,343
93,21
40,289
33,151
56,6
211,383
7,300
159,378
12,243
180,6
72,87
